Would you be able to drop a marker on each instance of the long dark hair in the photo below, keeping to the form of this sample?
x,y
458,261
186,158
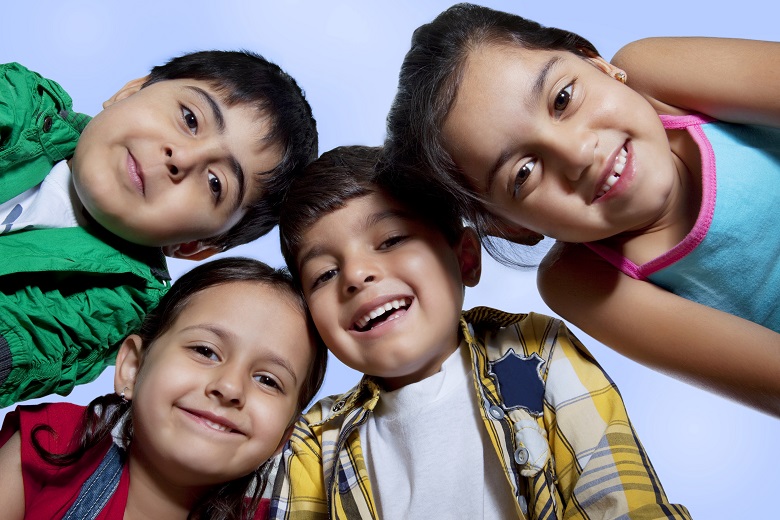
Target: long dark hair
x,y
427,86
238,498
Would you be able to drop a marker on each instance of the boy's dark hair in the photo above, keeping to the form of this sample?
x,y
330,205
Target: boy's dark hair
x,y
427,86
236,499
346,173
246,78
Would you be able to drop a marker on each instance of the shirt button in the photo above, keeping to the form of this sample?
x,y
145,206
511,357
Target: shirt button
x,y
338,406
521,455
496,412
47,122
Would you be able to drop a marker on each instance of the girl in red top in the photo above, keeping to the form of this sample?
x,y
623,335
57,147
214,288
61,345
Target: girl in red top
x,y
206,394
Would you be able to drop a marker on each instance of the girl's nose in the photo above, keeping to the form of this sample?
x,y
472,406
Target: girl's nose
x,y
574,154
227,387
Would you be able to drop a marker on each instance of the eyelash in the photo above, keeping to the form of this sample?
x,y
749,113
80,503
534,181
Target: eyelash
x,y
190,121
267,381
568,92
519,182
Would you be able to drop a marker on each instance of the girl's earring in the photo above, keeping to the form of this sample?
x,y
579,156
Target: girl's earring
x,y
621,76
122,395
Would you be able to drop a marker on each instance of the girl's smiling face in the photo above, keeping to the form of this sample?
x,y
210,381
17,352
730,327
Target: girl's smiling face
x,y
557,145
214,395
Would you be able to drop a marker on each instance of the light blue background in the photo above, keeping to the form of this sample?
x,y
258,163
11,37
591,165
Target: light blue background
x,y
716,457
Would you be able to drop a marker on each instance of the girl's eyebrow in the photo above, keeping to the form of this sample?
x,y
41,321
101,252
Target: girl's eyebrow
x,y
531,102
541,80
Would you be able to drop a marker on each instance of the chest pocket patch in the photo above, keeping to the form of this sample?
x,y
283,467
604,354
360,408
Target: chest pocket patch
x,y
519,381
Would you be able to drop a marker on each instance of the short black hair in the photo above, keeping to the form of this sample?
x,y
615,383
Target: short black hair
x,y
244,77
346,173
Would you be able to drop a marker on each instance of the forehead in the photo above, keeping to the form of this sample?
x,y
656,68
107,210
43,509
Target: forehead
x,y
265,319
358,216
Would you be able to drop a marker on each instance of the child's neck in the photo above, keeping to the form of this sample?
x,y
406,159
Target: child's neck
x,y
150,496
674,224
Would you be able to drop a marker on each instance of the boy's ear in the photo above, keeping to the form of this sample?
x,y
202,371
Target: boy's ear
x,y
469,252
128,361
195,250
128,90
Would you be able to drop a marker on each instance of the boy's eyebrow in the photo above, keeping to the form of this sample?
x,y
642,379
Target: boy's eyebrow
x,y
533,100
219,118
371,220
226,335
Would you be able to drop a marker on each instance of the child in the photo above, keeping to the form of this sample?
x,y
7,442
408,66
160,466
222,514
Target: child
x,y
192,159
483,414
206,393
533,133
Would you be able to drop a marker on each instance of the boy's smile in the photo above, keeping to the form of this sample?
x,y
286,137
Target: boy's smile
x,y
171,163
384,289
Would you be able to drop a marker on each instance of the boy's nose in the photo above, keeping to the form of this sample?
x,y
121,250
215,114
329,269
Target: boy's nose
x,y
358,274
182,160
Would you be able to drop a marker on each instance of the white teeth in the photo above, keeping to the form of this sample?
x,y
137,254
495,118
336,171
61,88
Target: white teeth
x,y
216,426
617,170
380,310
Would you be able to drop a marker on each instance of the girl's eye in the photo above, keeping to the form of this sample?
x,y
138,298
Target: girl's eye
x,y
267,381
215,185
563,97
206,352
522,175
189,119
390,242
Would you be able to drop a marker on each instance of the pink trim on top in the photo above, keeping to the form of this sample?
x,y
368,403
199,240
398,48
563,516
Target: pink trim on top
x,y
692,123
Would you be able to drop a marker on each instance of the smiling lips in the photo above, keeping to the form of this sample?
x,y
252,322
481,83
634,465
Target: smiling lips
x,y
382,313
212,421
135,173
617,170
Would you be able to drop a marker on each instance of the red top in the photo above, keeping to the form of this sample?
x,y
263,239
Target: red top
x,y
49,490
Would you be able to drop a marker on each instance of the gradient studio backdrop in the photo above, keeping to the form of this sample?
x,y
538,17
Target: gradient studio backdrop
x,y
716,457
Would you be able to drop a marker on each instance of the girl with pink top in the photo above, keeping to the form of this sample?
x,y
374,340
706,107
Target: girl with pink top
x,y
662,166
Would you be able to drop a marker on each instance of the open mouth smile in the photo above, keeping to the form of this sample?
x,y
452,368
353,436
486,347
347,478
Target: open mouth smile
x,y
384,313
211,421
617,171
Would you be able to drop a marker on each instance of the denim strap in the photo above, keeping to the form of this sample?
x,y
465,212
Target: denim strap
x,y
98,488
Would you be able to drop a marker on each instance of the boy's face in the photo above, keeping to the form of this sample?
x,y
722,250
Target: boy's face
x,y
171,163
385,290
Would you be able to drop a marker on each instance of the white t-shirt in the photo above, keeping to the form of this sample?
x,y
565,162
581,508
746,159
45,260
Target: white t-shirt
x,y
427,452
50,204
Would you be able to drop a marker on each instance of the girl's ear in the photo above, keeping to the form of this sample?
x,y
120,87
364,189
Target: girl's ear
x,y
469,253
129,89
607,68
128,361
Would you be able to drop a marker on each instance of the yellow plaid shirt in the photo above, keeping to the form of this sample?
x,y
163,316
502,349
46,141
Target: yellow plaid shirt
x,y
574,454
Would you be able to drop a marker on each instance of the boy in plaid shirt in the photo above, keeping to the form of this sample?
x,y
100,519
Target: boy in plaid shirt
x,y
476,414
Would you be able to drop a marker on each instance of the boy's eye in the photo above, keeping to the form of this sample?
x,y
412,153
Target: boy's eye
x,y
563,97
390,242
324,277
522,175
215,185
189,119
206,352
267,381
